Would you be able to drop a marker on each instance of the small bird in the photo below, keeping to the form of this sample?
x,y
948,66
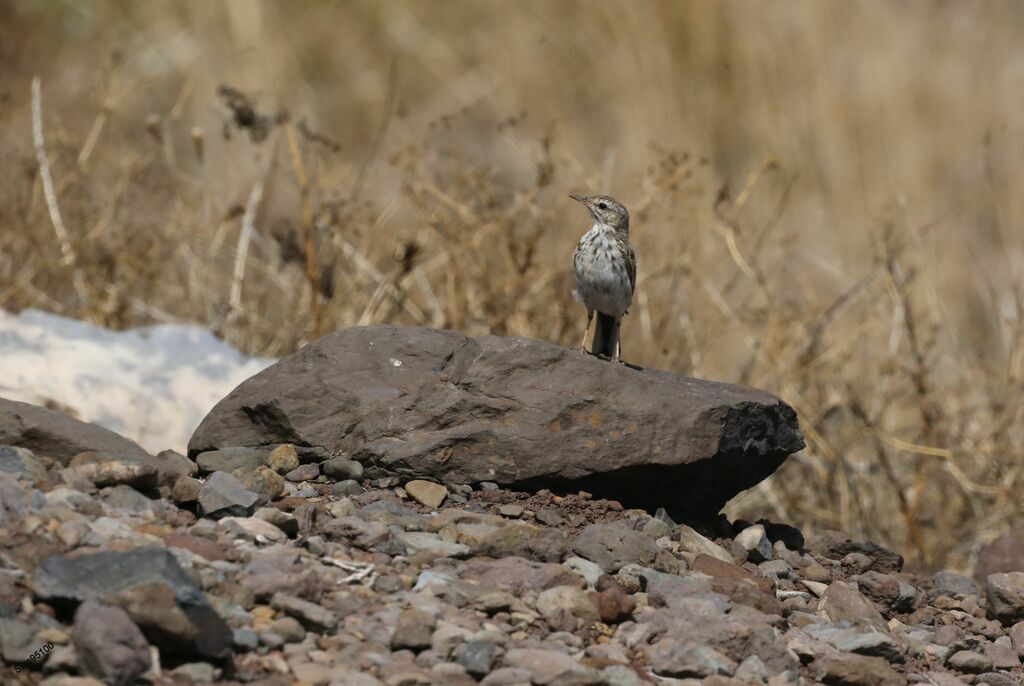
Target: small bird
x,y
605,267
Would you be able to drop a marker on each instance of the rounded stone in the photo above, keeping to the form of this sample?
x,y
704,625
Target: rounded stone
x,y
346,488
342,468
263,481
306,472
427,493
288,628
1005,594
568,598
283,459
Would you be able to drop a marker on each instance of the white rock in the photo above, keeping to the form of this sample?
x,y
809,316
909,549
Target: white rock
x,y
585,568
815,587
254,528
417,541
692,542
431,578
754,540
568,598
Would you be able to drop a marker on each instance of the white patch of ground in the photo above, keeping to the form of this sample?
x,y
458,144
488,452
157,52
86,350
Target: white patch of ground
x,y
152,384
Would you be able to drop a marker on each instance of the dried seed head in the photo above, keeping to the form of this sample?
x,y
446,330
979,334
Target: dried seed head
x,y
197,142
154,128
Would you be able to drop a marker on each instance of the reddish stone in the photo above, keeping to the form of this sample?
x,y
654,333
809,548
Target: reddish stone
x,y
738,584
200,546
719,569
515,574
289,503
613,604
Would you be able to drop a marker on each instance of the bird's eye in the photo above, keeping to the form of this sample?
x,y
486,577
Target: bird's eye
x,y
603,206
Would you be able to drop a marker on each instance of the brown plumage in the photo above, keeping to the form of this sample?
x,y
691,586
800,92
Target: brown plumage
x,y
605,267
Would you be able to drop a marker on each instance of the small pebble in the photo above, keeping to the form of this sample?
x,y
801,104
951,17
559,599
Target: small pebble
x,y
342,468
346,488
511,511
283,459
305,472
549,517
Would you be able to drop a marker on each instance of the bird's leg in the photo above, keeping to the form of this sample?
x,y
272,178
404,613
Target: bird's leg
x,y
617,358
583,343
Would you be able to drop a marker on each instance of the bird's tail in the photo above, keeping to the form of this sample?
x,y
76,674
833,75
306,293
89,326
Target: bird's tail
x,y
605,335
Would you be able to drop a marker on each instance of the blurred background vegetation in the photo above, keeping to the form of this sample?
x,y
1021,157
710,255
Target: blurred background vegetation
x,y
825,197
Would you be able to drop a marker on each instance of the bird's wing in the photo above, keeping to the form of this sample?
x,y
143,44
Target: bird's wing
x,y
576,255
630,254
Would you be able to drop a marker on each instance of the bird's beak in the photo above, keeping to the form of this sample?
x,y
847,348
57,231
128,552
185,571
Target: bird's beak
x,y
579,198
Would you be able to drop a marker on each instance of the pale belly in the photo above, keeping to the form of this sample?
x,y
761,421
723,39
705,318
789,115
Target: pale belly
x,y
602,282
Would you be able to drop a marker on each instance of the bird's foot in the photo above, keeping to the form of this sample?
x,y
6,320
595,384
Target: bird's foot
x,y
583,349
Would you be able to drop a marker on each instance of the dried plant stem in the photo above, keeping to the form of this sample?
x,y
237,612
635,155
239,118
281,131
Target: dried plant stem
x,y
51,196
90,140
384,286
307,230
436,310
919,375
244,238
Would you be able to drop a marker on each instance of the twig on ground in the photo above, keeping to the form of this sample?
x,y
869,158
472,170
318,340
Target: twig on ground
x,y
359,570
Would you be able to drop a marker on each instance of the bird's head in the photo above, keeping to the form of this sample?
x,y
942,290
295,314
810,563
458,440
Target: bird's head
x,y
605,210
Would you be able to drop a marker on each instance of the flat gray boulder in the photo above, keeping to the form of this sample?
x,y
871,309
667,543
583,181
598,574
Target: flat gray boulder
x,y
61,437
423,403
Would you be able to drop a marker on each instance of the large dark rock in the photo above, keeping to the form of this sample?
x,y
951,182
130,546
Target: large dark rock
x,y
56,435
523,413
150,586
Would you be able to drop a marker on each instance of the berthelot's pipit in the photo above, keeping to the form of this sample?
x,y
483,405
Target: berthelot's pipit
x,y
605,267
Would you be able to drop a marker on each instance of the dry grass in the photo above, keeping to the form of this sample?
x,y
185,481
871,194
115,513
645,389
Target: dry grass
x,y
823,197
